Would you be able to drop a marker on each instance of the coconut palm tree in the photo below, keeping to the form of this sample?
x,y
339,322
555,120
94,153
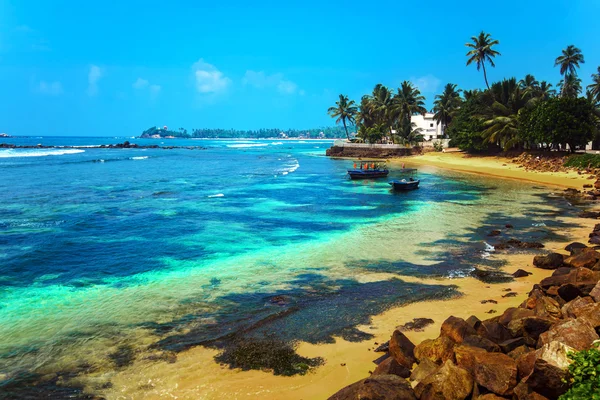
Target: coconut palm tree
x,y
382,105
570,86
529,85
408,101
482,52
594,88
345,110
446,105
545,91
569,60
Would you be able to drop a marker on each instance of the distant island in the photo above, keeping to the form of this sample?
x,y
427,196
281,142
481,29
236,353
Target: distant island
x,y
4,135
156,132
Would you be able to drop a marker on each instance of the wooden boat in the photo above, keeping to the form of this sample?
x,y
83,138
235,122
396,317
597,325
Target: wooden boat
x,y
368,170
405,184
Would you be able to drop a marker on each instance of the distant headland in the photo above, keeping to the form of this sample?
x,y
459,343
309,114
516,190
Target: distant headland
x,y
156,132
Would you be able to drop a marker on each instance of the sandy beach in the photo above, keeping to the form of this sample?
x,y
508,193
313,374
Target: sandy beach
x,y
197,375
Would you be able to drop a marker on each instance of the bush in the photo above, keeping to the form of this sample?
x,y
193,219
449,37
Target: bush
x,y
438,146
583,161
584,374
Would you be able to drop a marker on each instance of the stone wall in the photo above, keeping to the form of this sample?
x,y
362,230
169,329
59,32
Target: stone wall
x,y
367,151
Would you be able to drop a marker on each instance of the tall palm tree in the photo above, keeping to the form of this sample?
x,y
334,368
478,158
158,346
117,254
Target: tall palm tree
x,y
381,103
482,52
344,110
545,91
569,60
594,88
407,101
446,105
570,86
529,85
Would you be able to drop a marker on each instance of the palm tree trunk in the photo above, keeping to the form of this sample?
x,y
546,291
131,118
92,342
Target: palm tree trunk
x,y
346,128
485,76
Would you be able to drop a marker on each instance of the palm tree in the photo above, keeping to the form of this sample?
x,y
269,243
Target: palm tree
x,y
345,110
407,101
594,88
446,105
569,60
570,86
381,105
482,52
503,127
529,85
545,91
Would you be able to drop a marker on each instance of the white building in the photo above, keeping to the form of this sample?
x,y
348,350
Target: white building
x,y
430,129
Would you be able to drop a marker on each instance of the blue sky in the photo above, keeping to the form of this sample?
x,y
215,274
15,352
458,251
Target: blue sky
x,y
106,68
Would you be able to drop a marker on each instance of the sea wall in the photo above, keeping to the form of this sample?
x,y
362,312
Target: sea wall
x,y
520,354
359,150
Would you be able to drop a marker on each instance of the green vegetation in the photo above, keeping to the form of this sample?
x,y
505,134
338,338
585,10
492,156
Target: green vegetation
x,y
328,132
584,374
344,111
507,115
583,161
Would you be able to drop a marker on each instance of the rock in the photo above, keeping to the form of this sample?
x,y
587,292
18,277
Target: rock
x,y
547,307
509,345
383,347
417,324
555,353
449,382
437,350
496,372
473,321
530,327
553,291
561,271
490,396
519,351
594,240
425,368
391,367
456,329
489,301
595,293
576,275
494,331
520,273
509,226
575,247
510,294
589,214
550,261
378,387
568,292
513,313
585,259
402,349
547,379
495,232
481,342
525,364
491,275
576,307
591,315
524,392
576,333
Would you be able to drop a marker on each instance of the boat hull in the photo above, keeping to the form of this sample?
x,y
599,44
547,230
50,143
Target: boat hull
x,y
406,185
368,174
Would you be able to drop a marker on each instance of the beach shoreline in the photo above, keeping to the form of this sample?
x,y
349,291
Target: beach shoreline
x,y
195,374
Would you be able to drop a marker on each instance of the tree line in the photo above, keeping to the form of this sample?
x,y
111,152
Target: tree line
x,y
509,114
329,132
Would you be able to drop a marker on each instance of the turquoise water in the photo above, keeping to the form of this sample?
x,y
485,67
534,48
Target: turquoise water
x,y
154,248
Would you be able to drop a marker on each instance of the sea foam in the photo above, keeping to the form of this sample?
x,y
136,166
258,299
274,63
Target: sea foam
x,y
12,153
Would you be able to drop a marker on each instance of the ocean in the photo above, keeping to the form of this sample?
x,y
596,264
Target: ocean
x,y
108,255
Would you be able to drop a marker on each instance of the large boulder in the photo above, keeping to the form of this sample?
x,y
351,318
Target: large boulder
x,y
525,364
568,292
545,306
481,342
530,327
456,329
496,372
437,350
550,261
494,331
595,292
575,247
591,315
514,313
524,392
509,345
586,259
577,333
555,353
390,366
547,379
490,396
449,382
402,349
425,368
576,307
379,387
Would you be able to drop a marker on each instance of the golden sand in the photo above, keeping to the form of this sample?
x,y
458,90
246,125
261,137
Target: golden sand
x,y
196,375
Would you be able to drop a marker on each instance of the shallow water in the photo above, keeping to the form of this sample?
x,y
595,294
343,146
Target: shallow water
x,y
166,249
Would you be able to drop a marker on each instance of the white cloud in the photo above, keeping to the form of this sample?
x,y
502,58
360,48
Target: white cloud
x,y
93,77
140,83
260,80
50,88
427,83
208,78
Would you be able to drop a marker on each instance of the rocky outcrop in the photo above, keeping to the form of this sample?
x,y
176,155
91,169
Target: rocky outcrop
x,y
379,387
520,354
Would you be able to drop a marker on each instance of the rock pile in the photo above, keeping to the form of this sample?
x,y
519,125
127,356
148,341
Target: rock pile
x,y
520,354
542,163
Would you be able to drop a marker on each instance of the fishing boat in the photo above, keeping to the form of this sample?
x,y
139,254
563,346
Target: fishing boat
x,y
368,170
409,183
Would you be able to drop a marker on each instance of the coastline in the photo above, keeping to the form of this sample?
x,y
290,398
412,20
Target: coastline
x,y
499,167
195,374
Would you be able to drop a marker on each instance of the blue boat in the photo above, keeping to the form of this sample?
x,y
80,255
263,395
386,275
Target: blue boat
x,y
369,170
405,184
